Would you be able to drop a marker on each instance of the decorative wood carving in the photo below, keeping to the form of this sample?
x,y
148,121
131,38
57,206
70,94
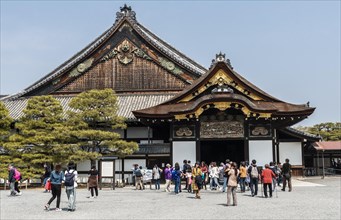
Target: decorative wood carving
x,y
222,129
260,130
184,131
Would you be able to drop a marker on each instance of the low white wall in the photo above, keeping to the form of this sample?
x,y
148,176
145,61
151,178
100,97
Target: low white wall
x,y
261,151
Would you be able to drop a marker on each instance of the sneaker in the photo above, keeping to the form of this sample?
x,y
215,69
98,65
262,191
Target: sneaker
x,y
19,194
47,207
58,209
283,189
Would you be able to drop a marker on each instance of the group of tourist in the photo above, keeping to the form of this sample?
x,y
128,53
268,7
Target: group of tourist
x,y
225,178
196,177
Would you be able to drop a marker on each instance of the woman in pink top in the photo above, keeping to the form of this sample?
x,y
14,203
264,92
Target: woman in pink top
x,y
267,176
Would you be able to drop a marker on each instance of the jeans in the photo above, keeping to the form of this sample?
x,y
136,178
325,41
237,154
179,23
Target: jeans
x,y
242,184
254,186
215,181
45,180
56,191
274,183
71,196
231,190
225,183
157,184
177,184
267,185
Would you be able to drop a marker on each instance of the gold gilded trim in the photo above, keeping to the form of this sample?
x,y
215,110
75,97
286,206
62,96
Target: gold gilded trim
x,y
221,78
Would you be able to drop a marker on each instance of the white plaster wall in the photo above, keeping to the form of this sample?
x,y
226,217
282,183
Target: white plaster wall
x,y
128,163
84,165
292,151
138,132
261,151
184,150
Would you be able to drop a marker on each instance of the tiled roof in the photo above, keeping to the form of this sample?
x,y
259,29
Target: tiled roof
x,y
148,35
328,145
126,103
302,133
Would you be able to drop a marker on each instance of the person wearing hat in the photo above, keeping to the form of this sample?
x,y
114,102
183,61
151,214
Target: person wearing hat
x,y
168,177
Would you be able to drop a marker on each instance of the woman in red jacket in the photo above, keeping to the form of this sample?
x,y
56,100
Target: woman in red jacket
x,y
267,176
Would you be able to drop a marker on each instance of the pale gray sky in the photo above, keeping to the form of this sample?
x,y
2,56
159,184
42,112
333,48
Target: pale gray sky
x,y
290,49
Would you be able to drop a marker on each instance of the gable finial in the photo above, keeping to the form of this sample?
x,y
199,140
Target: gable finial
x,y
221,58
126,11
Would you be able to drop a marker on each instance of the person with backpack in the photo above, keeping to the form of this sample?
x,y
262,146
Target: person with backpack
x,y
93,182
232,184
70,182
56,179
254,177
17,177
11,180
267,178
286,171
139,178
157,176
176,177
226,169
274,179
196,180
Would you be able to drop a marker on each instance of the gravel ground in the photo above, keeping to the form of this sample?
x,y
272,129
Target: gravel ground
x,y
311,198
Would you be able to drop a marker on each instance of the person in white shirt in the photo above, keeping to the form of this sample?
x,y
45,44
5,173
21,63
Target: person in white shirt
x,y
214,176
70,182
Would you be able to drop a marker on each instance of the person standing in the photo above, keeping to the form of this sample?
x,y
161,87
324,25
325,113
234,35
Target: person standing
x,y
70,182
138,178
11,180
93,182
286,170
226,170
176,176
204,170
56,179
156,176
274,179
232,185
267,177
242,171
168,177
197,180
214,176
254,178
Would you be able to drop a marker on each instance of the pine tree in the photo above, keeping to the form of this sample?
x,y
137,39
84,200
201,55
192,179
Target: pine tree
x,y
94,120
5,128
42,138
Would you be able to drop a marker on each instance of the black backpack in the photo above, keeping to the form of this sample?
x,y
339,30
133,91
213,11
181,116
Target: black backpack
x,y
69,178
138,173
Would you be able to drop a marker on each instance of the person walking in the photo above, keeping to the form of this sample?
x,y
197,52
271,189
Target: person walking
x,y
156,176
56,179
197,180
17,177
70,182
138,178
93,182
274,179
286,170
168,177
232,185
242,175
267,178
176,176
11,180
46,176
254,177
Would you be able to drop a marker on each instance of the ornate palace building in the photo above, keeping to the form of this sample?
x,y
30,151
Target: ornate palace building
x,y
175,108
